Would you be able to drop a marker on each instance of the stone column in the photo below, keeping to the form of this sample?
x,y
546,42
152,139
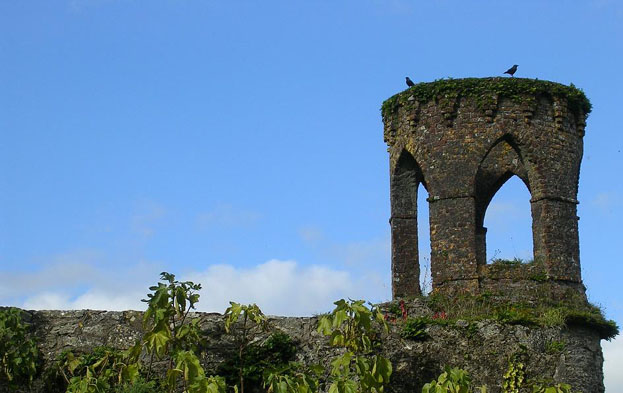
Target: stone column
x,y
453,244
556,240
405,257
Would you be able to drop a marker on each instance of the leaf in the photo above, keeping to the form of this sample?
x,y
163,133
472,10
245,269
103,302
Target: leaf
x,y
324,325
350,386
383,368
180,301
172,375
338,318
129,373
157,341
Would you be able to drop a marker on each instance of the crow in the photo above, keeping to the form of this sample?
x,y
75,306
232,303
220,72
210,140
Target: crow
x,y
511,71
409,82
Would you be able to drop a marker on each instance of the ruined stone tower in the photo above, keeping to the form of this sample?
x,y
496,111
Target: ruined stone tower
x,y
462,139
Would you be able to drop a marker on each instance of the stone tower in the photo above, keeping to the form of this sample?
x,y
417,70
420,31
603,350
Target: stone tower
x,y
462,139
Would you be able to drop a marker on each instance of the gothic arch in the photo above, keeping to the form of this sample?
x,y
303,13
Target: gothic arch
x,y
503,161
405,179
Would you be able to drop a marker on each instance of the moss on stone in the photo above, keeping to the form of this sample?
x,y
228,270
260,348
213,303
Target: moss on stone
x,y
486,89
545,313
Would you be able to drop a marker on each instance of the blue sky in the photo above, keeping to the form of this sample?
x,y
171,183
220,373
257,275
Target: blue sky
x,y
239,143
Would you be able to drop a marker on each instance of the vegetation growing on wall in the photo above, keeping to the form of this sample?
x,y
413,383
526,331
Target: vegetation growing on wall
x,y
172,337
545,313
351,325
484,90
19,357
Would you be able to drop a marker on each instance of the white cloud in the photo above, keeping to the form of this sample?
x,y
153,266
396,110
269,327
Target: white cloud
x,y
281,287
613,364
66,270
78,280
278,287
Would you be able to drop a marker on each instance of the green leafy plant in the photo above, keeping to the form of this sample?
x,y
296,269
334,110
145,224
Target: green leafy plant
x,y
165,321
168,332
102,370
19,356
293,378
452,380
515,375
275,353
139,386
558,388
414,329
99,371
245,322
350,326
555,346
193,376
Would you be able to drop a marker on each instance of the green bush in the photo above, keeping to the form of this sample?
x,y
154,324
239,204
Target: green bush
x,y
452,380
140,386
19,355
274,353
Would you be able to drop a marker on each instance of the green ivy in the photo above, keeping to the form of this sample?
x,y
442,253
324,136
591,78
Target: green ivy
x,y
515,375
484,89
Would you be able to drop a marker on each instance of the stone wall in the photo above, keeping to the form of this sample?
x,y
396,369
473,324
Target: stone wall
x,y
462,147
482,348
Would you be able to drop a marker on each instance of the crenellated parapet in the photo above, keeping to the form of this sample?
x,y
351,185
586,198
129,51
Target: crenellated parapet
x,y
462,140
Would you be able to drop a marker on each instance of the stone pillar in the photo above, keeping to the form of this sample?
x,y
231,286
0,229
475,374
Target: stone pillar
x,y
556,240
405,257
453,244
481,245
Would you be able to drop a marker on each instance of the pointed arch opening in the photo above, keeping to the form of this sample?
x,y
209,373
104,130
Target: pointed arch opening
x,y
424,246
504,224
508,223
405,181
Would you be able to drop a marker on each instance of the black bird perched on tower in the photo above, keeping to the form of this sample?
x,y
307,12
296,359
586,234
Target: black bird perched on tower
x,y
409,82
511,71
